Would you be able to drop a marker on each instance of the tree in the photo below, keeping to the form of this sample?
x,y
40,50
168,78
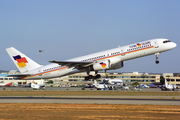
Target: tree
x,y
50,82
135,84
112,77
168,76
162,80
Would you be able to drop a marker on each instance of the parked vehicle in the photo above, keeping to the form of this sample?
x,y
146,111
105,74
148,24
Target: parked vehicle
x,y
152,86
144,86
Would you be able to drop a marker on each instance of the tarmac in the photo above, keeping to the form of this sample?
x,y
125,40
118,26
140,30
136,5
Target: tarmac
x,y
21,88
138,100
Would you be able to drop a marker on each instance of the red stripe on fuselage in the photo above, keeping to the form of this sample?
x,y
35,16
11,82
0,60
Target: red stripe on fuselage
x,y
44,72
94,60
124,53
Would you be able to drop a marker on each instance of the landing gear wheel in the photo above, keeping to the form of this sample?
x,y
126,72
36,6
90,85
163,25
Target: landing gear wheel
x,y
90,76
87,78
98,76
157,62
94,77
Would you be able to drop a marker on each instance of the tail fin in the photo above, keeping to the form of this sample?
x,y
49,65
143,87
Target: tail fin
x,y
22,62
95,82
32,83
166,84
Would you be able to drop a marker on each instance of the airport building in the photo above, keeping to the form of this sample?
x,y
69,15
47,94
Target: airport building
x,y
78,78
126,77
172,78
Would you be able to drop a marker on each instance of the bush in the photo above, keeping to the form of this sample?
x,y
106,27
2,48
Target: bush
x,y
50,82
83,89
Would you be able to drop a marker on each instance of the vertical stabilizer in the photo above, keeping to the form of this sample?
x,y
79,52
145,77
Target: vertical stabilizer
x,y
32,83
166,84
22,62
95,82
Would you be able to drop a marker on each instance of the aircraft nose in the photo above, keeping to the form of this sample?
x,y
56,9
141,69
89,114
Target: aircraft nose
x,y
173,45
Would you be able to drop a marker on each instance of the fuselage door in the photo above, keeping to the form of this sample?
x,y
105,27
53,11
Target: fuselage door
x,y
156,44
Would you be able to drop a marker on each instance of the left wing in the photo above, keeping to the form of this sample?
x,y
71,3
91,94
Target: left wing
x,y
19,76
75,64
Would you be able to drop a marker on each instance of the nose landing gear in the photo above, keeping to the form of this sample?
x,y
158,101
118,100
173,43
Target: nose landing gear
x,y
157,61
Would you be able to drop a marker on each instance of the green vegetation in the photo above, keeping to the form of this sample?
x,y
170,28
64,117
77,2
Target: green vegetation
x,y
162,80
135,84
50,82
112,77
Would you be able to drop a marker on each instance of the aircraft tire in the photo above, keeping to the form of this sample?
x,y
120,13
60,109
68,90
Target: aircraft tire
x,y
87,78
157,62
98,76
90,77
94,77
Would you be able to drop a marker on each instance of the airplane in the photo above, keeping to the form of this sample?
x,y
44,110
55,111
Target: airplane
x,y
112,81
100,86
36,86
168,87
5,84
105,86
106,60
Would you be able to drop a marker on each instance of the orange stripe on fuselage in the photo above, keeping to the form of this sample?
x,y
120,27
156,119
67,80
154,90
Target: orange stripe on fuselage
x,y
45,72
94,60
124,53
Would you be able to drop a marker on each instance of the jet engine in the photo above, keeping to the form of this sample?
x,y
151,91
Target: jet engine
x,y
101,65
107,65
116,66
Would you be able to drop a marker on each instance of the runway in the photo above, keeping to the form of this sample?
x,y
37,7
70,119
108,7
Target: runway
x,y
138,100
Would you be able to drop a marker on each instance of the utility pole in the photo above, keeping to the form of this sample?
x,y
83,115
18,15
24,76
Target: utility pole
x,y
41,51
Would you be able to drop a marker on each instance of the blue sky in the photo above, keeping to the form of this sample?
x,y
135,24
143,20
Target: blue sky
x,y
70,28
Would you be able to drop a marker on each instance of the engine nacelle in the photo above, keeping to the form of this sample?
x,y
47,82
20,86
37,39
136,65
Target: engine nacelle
x,y
116,66
101,65
107,65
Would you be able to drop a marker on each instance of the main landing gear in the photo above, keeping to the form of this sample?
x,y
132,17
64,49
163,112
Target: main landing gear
x,y
157,61
92,77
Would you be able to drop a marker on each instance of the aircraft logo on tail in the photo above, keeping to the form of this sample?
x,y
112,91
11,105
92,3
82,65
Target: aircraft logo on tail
x,y
103,64
21,61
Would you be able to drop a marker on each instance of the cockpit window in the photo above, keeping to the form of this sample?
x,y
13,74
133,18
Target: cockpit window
x,y
166,41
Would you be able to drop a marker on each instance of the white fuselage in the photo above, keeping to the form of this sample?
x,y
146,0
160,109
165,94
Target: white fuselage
x,y
169,87
116,55
112,81
5,84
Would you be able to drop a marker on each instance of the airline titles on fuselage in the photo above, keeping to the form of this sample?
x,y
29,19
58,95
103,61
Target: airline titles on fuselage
x,y
139,46
130,48
53,68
